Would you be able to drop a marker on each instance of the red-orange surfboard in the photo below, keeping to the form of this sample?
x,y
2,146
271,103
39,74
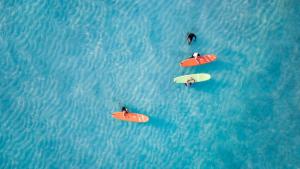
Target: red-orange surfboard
x,y
132,117
200,60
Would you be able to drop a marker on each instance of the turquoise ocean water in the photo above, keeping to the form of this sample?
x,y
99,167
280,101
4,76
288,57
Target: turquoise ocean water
x,y
65,66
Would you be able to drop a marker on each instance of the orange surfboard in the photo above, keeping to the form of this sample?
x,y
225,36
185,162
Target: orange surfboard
x,y
200,60
132,117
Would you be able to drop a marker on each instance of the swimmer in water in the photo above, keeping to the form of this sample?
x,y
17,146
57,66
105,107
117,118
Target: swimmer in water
x,y
191,37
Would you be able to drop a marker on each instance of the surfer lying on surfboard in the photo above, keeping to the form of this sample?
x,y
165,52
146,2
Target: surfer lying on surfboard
x,y
190,82
124,111
196,55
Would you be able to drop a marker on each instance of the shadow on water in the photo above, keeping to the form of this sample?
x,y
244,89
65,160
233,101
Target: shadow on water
x,y
207,87
153,120
161,123
223,61
232,53
217,65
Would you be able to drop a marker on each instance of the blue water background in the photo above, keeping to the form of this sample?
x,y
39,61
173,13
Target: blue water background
x,y
65,66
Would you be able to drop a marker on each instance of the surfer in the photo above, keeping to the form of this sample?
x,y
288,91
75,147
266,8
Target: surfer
x,y
190,82
191,37
195,55
124,111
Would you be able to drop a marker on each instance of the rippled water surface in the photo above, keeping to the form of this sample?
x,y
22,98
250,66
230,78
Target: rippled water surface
x,y
65,66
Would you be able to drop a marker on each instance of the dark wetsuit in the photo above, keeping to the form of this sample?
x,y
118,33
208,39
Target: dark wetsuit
x,y
124,109
198,54
191,37
189,82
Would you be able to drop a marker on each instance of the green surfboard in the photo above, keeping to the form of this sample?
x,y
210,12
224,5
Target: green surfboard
x,y
200,77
